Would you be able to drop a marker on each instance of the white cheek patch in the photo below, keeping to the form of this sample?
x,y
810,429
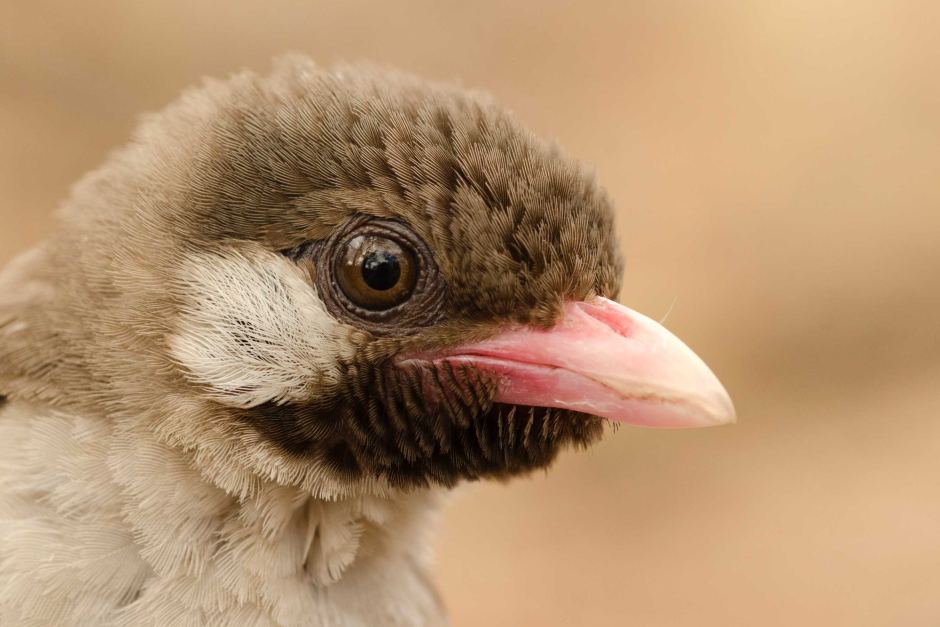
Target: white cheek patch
x,y
252,330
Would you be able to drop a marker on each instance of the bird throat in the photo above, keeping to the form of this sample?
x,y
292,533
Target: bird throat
x,y
421,425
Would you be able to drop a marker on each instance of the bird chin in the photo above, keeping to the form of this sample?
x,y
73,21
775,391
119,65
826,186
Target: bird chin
x,y
471,432
419,424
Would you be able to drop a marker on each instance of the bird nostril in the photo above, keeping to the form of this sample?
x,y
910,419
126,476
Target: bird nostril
x,y
607,312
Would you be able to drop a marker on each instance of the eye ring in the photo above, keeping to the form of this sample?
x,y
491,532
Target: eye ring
x,y
413,301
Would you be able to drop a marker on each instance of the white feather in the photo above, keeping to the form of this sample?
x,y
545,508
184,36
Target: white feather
x,y
252,330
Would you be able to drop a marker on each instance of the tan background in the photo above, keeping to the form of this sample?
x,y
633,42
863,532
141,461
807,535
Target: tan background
x,y
777,172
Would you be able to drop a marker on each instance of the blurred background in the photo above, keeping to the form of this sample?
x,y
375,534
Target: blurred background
x,y
776,167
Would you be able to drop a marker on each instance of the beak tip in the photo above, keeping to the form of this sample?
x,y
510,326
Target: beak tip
x,y
708,405
723,412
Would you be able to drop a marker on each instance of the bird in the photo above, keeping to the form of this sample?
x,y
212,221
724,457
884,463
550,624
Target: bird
x,y
272,332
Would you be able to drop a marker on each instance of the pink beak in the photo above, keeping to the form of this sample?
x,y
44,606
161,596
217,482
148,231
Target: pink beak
x,y
604,359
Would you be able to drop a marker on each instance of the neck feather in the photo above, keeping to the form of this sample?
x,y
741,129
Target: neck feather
x,y
144,530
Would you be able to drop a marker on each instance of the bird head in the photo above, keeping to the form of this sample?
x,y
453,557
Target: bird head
x,y
349,280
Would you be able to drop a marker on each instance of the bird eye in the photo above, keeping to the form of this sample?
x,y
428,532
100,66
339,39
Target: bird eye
x,y
375,272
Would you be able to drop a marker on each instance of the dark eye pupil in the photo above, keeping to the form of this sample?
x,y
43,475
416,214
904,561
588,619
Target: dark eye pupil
x,y
381,270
